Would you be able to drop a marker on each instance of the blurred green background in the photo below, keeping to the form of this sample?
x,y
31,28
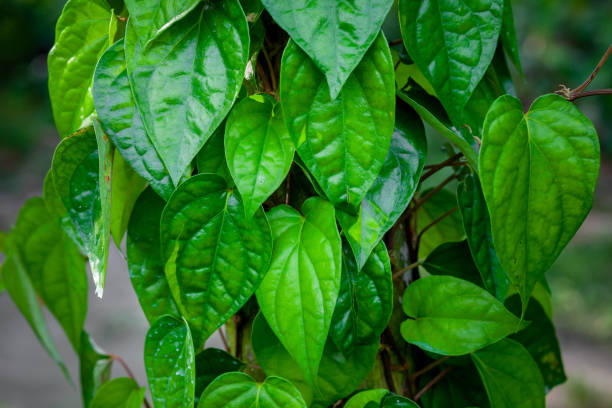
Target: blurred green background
x,y
560,43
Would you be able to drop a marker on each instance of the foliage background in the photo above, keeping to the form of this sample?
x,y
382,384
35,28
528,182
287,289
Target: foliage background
x,y
560,42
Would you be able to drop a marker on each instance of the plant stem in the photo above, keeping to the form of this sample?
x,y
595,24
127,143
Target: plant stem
x,y
224,340
395,42
578,95
588,81
434,168
386,362
402,271
129,373
270,68
433,191
431,383
434,222
429,367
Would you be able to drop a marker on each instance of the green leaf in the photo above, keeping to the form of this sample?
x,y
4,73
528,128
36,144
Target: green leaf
x,y
335,34
214,256
448,229
461,387
122,122
94,368
144,259
54,265
239,390
392,190
452,44
57,208
477,227
151,17
540,340
396,401
453,259
508,36
119,393
169,362
252,9
186,79
210,364
453,317
211,158
81,36
258,149
363,398
344,141
488,89
299,292
510,376
365,299
538,172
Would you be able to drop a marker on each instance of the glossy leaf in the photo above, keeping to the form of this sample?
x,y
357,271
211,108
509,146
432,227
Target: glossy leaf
x,y
396,401
477,227
210,364
452,44
186,79
450,228
258,149
344,141
451,316
392,190
239,390
94,368
510,375
365,299
211,158
214,256
453,259
363,398
508,36
334,34
121,392
122,122
81,36
538,172
57,208
144,260
169,362
299,292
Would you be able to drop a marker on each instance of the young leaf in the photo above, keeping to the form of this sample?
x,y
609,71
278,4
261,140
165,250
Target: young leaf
x,y
210,364
214,256
447,229
299,292
365,300
452,317
211,158
81,36
119,393
392,190
477,227
362,399
344,141
94,368
335,34
453,259
122,122
239,390
144,259
169,362
510,375
258,149
452,44
538,172
186,79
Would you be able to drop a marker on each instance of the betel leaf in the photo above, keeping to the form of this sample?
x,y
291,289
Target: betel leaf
x,y
299,292
538,172
186,79
363,398
214,256
94,368
239,390
365,299
335,34
169,362
258,149
57,208
252,9
144,259
508,36
343,142
452,44
211,158
81,36
396,401
477,227
211,363
122,122
461,387
454,259
151,17
510,375
392,190
120,392
449,228
54,265
451,316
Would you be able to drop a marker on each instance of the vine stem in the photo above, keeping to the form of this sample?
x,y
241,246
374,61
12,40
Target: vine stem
x,y
588,81
129,373
576,93
224,340
434,168
402,271
270,68
431,383
434,222
429,367
395,42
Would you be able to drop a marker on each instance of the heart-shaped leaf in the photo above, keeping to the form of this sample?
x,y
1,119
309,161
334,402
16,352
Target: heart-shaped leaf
x,y
119,393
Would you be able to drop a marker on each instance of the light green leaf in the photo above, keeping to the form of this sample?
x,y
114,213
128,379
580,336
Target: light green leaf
x,y
510,376
94,368
258,149
538,172
361,399
452,44
508,36
186,79
214,256
299,292
144,259
344,141
169,362
392,190
239,390
334,34
211,158
477,227
122,122
121,392
448,229
81,36
451,316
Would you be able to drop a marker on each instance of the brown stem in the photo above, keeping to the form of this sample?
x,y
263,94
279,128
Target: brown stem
x,y
224,340
264,77
578,95
288,187
399,273
594,73
270,68
431,383
434,168
434,222
386,362
432,192
129,373
429,367
395,42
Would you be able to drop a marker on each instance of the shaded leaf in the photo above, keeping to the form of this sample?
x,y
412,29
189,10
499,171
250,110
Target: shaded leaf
x,y
94,368
453,259
461,387
211,158
211,363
